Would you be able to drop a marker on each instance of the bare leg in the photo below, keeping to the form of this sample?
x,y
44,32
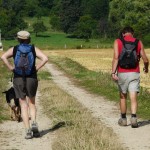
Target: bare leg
x,y
134,104
123,105
24,112
32,107
34,125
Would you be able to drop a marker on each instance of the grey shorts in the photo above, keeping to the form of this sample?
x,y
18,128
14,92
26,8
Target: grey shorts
x,y
27,88
129,82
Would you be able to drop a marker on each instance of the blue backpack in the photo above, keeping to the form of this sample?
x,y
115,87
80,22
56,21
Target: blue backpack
x,y
24,59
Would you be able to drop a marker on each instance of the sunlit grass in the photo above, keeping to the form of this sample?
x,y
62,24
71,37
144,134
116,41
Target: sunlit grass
x,y
98,60
77,129
5,77
100,83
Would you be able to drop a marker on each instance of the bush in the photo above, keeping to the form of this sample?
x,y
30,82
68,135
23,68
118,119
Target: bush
x,y
146,40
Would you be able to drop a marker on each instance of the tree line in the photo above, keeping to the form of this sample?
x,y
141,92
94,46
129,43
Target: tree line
x,y
79,18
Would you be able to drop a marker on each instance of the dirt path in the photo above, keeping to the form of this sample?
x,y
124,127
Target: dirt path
x,y
132,139
12,134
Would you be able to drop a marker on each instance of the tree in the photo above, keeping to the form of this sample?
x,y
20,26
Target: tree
x,y
130,12
55,23
56,8
70,14
85,27
32,8
17,6
98,10
45,6
10,23
39,27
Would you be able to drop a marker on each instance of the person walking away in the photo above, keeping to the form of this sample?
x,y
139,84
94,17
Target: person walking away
x,y
126,72
25,81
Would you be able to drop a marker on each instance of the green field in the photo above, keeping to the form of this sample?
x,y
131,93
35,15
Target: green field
x,y
101,83
54,40
57,40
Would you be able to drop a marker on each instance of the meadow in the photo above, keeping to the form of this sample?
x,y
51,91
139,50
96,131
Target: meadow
x,y
57,40
77,127
54,40
5,77
98,60
92,68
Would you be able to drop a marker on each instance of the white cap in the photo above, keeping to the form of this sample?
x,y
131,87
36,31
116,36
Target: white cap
x,y
23,35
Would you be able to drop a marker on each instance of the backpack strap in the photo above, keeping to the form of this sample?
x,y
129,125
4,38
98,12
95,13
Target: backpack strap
x,y
16,47
15,51
136,42
33,51
129,42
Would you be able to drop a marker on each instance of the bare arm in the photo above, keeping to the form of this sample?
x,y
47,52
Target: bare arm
x,y
43,58
144,58
115,61
8,54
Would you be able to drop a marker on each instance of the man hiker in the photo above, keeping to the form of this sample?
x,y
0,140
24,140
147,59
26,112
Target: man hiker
x,y
25,81
126,72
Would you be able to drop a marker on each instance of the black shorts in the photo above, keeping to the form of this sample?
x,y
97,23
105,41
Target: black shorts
x,y
25,87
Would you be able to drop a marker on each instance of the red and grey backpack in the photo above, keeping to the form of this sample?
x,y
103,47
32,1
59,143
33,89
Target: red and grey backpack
x,y
129,58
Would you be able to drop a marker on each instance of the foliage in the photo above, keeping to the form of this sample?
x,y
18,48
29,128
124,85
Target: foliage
x,y
70,14
5,76
31,8
45,6
11,19
39,27
67,15
146,40
16,5
130,12
85,27
97,9
55,23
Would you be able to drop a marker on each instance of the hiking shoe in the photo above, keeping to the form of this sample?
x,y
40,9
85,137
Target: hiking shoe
x,y
35,130
134,123
122,121
29,134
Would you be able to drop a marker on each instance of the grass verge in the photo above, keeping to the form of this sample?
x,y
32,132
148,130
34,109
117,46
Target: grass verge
x,y
5,77
101,83
74,126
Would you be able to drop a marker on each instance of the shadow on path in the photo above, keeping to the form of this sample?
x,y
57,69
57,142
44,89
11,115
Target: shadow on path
x,y
144,123
55,127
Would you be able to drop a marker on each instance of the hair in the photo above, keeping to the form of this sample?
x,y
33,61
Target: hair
x,y
26,41
127,29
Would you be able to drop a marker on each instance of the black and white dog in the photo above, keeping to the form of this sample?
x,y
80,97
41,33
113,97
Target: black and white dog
x,y
13,102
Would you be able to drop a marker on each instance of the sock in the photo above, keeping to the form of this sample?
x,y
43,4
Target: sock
x,y
133,115
123,115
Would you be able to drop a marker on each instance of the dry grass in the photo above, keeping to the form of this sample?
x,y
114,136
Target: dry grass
x,y
4,79
97,60
80,130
